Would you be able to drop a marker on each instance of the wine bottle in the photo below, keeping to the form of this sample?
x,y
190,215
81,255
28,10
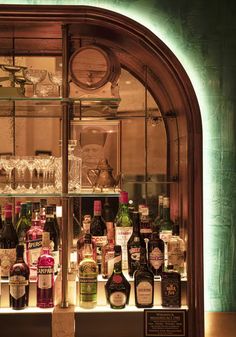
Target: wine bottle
x,y
107,212
123,227
143,283
156,249
19,281
50,226
45,275
8,243
23,224
108,252
98,231
88,272
117,287
134,245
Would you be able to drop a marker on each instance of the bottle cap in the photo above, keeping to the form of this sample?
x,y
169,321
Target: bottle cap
x,y
97,206
123,197
8,210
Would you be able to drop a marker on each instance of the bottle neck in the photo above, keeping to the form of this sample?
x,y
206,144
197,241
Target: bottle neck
x,y
166,213
88,250
118,264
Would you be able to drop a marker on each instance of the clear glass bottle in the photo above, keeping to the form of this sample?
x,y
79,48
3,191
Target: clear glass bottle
x,y
156,249
34,245
123,227
8,243
45,275
98,231
117,287
108,252
23,224
88,272
143,283
19,281
134,245
176,250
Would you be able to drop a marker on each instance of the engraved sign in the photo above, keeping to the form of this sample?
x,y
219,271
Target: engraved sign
x,y
165,323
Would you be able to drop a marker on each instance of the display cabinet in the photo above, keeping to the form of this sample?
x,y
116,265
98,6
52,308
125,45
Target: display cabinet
x,y
110,78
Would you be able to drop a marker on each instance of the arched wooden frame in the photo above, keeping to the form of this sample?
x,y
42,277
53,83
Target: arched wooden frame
x,y
137,47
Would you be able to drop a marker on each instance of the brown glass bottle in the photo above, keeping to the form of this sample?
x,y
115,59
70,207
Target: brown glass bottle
x,y
171,288
117,287
156,248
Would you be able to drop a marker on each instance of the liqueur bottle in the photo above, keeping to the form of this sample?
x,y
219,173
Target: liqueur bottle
x,y
45,275
123,227
8,243
108,252
143,283
156,249
145,223
81,240
23,224
50,226
98,231
156,223
88,272
117,287
34,245
134,245
19,281
176,250
171,288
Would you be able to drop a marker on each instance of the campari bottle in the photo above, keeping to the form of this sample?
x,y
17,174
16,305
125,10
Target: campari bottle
x,y
19,281
45,275
117,287
34,245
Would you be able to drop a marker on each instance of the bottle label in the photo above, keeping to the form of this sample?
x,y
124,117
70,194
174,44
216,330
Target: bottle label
x,y
134,254
156,258
165,235
175,255
88,288
33,249
100,241
118,299
144,293
8,258
122,237
17,286
110,260
45,277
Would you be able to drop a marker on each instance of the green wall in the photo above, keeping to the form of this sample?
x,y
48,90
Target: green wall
x,y
202,35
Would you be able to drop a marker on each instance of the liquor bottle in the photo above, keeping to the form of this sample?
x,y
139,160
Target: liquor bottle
x,y
171,288
117,287
108,252
98,231
107,212
81,240
123,227
29,210
166,224
35,207
50,226
176,250
23,224
134,245
17,212
34,245
143,283
8,243
19,281
145,223
45,275
42,212
156,249
156,223
88,272
54,206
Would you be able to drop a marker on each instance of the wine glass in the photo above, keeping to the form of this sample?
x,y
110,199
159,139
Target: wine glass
x,y
31,164
21,168
35,76
56,78
8,165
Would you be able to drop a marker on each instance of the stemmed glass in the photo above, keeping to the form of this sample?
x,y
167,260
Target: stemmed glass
x,y
8,165
21,168
31,164
56,78
35,76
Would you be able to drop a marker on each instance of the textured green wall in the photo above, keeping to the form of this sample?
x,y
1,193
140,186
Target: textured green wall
x,y
202,35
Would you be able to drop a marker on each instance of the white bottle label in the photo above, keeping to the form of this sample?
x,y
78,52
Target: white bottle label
x,y
17,286
144,293
34,249
118,299
122,237
7,257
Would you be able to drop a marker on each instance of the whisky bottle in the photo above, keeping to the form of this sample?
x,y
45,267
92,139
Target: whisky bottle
x,y
171,288
176,250
123,227
88,272
98,231
8,242
19,281
117,287
45,275
156,248
134,245
108,252
143,283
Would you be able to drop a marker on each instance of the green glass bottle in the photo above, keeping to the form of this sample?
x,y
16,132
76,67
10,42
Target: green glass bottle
x,y
166,224
156,223
23,224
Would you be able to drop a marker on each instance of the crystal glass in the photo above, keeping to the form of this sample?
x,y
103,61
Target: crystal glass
x,y
31,165
8,165
21,169
35,76
56,78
